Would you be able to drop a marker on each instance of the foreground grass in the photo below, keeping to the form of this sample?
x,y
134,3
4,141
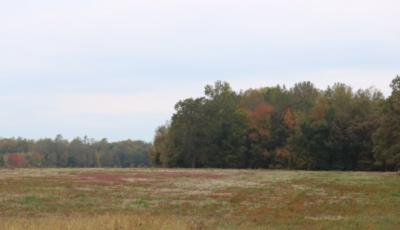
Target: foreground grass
x,y
197,199
98,222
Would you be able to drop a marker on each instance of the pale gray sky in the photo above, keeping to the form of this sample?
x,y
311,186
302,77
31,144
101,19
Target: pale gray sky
x,y
115,68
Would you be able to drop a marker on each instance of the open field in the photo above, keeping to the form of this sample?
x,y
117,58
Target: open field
x,y
197,199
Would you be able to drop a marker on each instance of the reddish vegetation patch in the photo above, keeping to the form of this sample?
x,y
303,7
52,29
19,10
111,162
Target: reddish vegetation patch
x,y
188,174
102,177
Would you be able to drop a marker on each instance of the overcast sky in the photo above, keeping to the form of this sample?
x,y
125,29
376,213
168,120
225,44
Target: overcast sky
x,y
116,68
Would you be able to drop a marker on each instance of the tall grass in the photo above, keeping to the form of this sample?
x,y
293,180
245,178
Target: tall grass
x,y
98,222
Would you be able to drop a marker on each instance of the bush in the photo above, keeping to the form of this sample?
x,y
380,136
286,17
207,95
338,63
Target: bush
x,y
16,160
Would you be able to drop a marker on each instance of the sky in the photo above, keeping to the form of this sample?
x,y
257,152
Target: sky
x,y
116,68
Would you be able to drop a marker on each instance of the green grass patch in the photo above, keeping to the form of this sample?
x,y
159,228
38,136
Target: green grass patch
x,y
33,200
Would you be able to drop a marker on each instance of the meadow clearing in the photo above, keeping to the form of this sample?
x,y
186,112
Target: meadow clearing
x,y
33,199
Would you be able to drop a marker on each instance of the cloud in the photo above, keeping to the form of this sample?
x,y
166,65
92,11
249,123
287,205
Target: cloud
x,y
116,105
158,38
97,65
111,116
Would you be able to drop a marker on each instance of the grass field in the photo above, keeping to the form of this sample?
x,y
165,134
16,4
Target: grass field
x,y
33,199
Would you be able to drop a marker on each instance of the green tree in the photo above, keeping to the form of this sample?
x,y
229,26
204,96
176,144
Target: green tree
x,y
304,96
2,160
159,153
387,137
225,127
46,148
188,134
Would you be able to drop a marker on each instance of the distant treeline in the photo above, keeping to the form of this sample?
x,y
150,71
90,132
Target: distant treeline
x,y
274,127
80,152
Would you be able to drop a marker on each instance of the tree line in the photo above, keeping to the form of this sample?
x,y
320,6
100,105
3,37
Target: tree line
x,y
80,152
302,127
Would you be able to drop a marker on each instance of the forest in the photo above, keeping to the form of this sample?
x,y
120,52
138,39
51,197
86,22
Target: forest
x,y
271,128
279,128
80,152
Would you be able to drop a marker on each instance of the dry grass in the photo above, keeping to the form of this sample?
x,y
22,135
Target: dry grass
x,y
98,222
197,199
